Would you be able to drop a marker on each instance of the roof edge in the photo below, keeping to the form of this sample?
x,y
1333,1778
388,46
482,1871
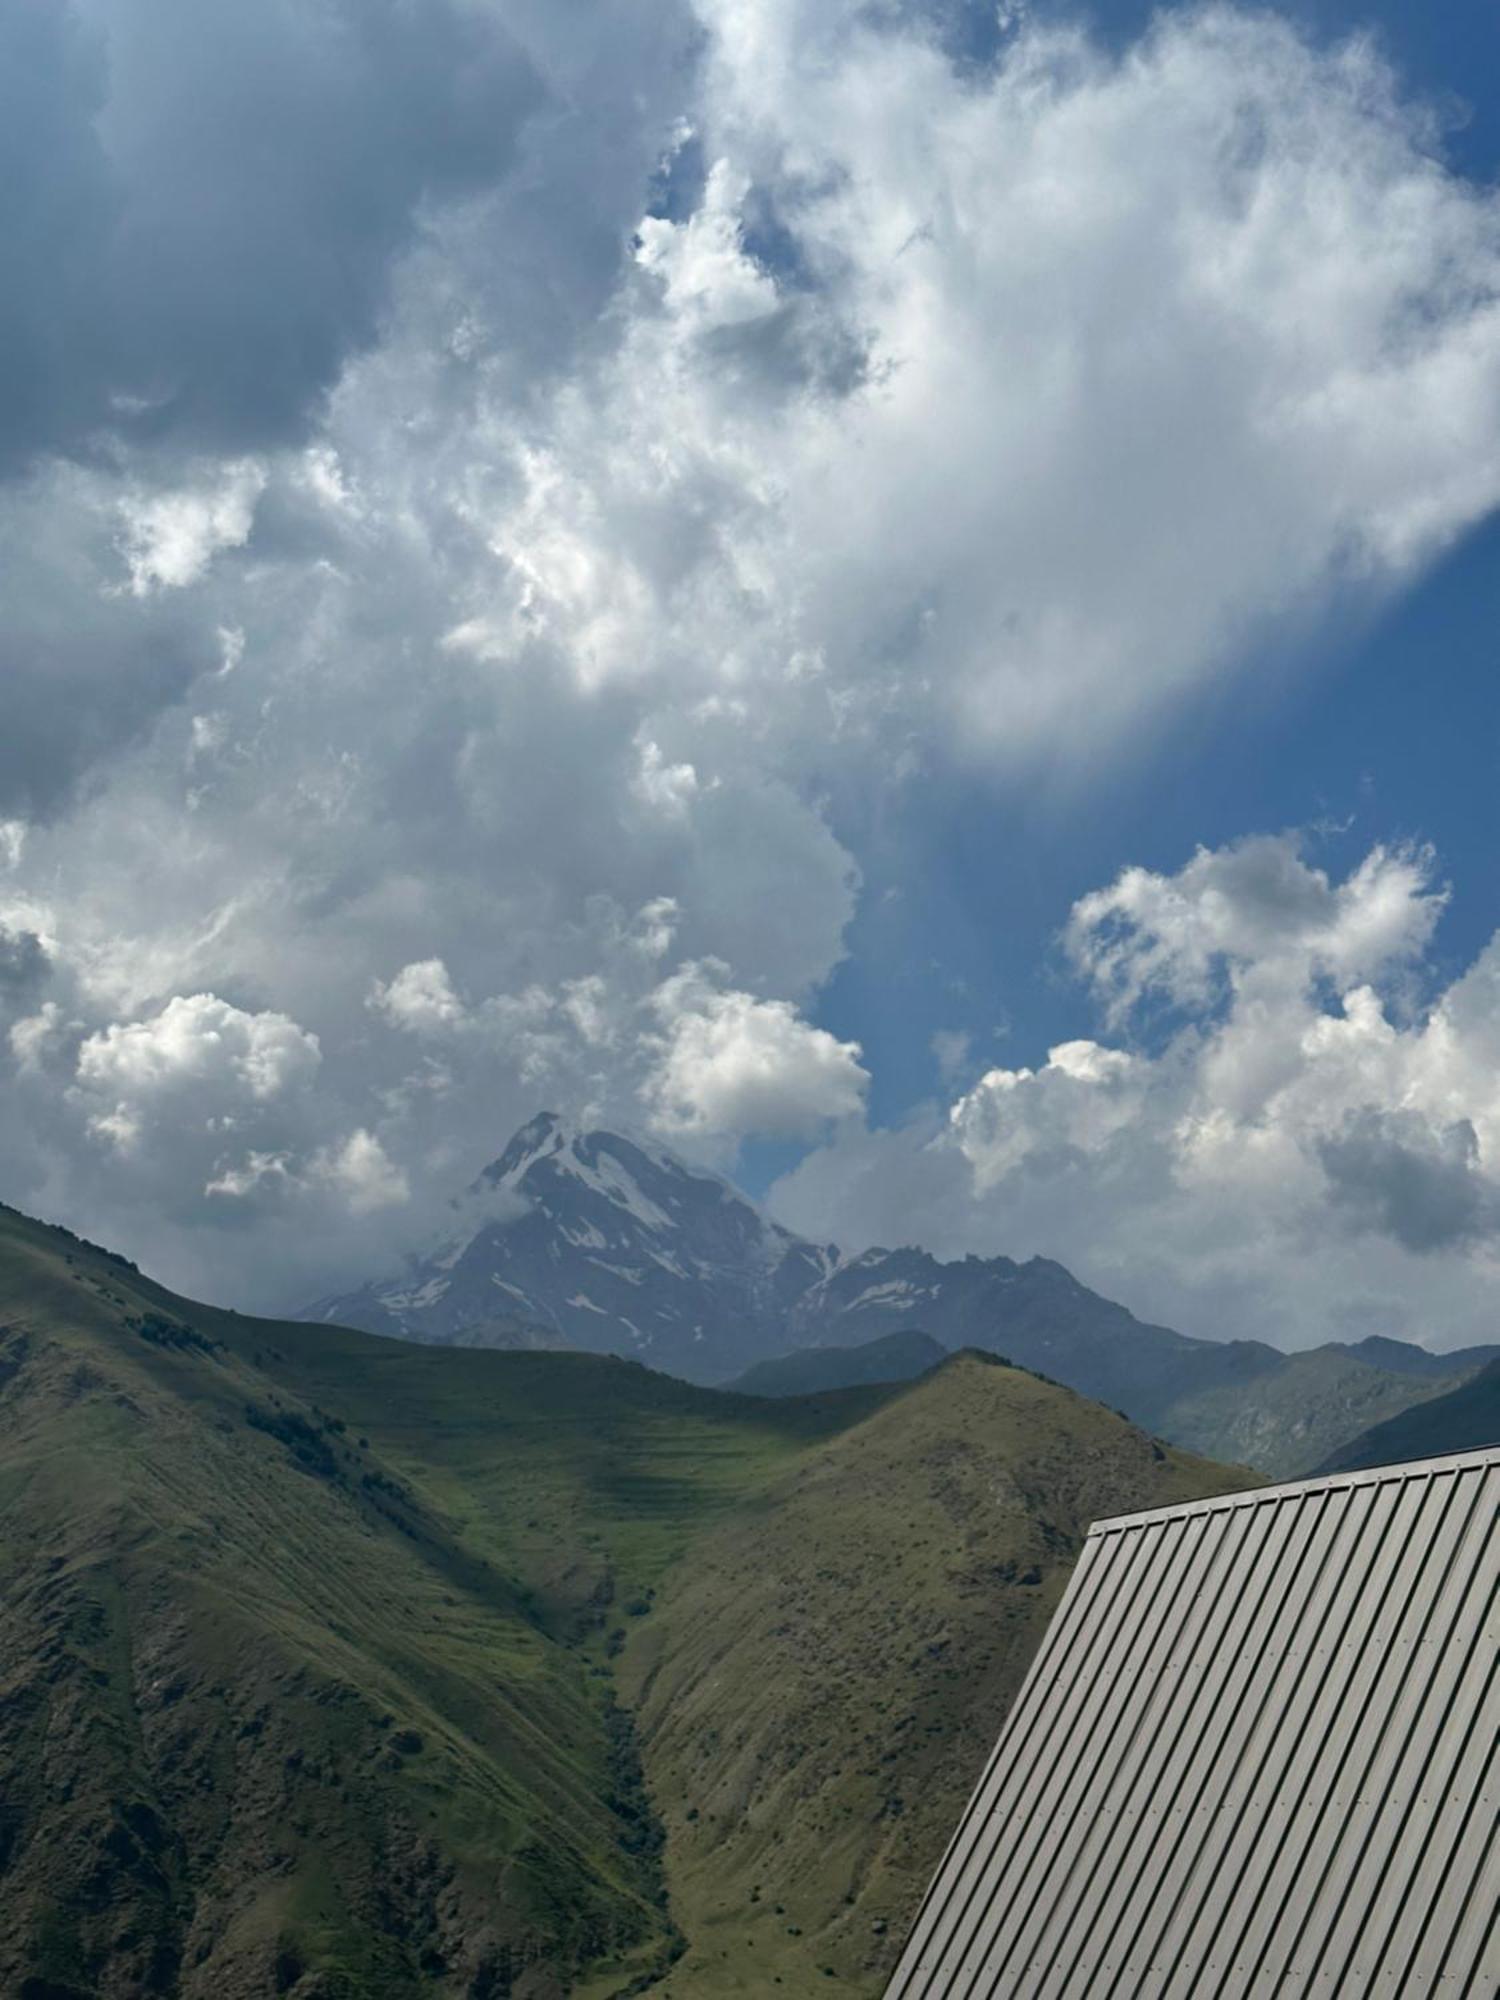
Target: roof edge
x,y
1327,1482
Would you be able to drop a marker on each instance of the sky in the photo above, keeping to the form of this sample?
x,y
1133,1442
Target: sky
x,y
901,594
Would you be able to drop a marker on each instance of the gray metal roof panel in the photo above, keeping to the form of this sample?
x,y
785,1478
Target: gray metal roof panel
x,y
1255,1754
1254,1496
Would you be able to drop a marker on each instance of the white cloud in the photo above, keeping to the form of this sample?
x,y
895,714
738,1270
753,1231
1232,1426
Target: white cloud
x,y
1082,379
197,1039
421,996
363,1173
1254,912
730,1064
184,1095
668,788
707,279
249,1176
654,928
171,538
208,736
1312,1152
708,1061
31,1037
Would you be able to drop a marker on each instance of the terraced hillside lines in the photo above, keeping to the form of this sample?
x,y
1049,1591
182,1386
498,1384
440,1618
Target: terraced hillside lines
x,y
587,1475
822,1681
262,1715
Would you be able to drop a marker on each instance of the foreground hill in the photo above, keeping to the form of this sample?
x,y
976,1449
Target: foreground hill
x,y
1241,1401
339,1667
814,1687
268,1716
614,1245
1466,1419
1284,1419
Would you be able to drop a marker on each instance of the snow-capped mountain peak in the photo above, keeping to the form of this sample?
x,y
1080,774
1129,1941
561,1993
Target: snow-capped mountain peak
x,y
545,1136
547,1155
610,1242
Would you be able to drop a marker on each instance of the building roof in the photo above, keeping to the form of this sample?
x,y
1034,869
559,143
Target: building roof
x,y
1256,1753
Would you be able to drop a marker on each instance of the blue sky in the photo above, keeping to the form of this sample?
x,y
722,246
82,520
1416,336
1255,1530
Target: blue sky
x,y
1393,736
900,595
1446,52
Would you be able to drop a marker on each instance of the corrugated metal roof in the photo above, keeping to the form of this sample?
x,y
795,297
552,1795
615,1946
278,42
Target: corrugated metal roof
x,y
1255,1754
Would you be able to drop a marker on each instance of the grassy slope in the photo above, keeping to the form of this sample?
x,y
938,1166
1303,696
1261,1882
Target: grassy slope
x,y
314,1643
818,1688
269,1711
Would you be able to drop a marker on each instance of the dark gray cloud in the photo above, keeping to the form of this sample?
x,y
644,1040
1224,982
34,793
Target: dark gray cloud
x,y
1395,1173
213,214
203,200
85,665
23,965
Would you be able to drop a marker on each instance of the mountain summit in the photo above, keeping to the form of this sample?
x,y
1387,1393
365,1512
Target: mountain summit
x,y
610,1244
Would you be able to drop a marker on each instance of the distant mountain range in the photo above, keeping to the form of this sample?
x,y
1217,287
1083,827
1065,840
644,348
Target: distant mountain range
x,y
593,1240
338,1666
1465,1418
808,1371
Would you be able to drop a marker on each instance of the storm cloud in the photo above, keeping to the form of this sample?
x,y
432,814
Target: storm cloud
x,y
207,198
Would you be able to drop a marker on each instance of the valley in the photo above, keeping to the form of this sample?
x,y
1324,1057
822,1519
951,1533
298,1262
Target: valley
x,y
339,1666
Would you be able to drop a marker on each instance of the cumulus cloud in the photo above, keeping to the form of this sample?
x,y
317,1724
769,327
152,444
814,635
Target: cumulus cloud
x,y
481,564
197,1054
170,538
733,1064
195,1037
32,1037
363,1172
1287,1160
701,1058
1251,913
1102,369
420,996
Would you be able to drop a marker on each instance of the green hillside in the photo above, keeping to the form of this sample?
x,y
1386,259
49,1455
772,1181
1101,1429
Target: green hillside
x,y
818,1689
337,1667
